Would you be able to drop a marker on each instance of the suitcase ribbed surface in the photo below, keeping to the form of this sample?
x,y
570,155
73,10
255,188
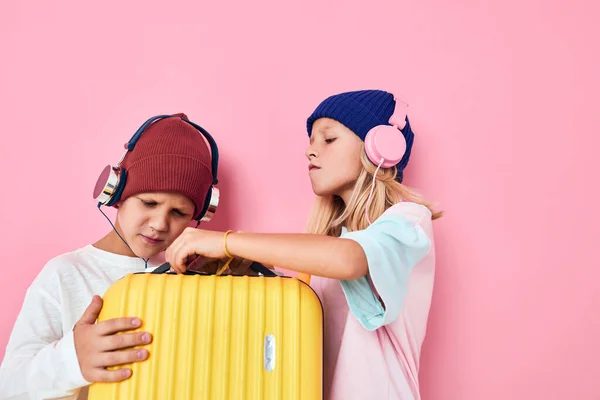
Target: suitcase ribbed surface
x,y
219,337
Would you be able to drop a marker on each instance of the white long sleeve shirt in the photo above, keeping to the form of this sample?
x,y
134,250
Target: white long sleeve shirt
x,y
40,360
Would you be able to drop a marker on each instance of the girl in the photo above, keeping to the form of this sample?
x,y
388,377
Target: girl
x,y
56,349
369,246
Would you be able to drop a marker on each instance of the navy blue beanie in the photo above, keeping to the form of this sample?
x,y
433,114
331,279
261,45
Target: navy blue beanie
x,y
360,111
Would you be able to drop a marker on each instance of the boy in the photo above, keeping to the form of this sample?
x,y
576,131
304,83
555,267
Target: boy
x,y
56,349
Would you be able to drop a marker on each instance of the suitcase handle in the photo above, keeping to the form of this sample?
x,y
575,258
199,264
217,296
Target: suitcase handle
x,y
256,267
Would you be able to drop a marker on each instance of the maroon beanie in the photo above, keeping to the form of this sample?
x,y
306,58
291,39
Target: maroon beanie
x,y
170,156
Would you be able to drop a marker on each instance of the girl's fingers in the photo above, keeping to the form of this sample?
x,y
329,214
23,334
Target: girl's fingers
x,y
172,250
180,258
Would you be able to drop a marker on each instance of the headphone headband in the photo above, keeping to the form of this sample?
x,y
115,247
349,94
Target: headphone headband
x,y
111,182
214,150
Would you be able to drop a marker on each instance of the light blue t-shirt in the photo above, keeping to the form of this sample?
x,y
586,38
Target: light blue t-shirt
x,y
393,245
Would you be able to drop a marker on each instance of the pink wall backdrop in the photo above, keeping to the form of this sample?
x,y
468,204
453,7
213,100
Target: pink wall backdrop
x,y
503,97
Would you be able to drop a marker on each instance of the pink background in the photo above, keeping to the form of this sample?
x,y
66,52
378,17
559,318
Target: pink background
x,y
503,96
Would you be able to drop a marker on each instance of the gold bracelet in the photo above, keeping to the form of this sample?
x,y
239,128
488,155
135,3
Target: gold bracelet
x,y
225,244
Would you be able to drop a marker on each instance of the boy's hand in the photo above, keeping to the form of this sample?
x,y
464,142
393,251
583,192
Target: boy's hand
x,y
98,345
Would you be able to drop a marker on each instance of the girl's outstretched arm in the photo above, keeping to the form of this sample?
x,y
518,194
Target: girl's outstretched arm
x,y
305,253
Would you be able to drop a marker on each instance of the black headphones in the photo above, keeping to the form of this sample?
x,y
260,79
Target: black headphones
x,y
111,182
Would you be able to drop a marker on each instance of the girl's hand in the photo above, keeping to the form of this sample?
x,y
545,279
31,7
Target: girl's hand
x,y
192,243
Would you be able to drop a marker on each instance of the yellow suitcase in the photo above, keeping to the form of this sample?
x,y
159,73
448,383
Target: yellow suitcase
x,y
219,337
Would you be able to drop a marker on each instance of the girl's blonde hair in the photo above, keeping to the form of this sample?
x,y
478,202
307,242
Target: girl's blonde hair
x,y
330,213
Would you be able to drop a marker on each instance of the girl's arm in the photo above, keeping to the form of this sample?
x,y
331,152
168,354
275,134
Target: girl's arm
x,y
305,253
319,255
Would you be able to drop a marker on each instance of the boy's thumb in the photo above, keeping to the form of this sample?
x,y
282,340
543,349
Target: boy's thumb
x,y
90,315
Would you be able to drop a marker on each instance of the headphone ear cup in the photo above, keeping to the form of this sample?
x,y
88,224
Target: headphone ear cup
x,y
385,143
110,185
122,173
210,205
106,184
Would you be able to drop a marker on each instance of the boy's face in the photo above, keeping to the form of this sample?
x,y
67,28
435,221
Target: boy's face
x,y
150,222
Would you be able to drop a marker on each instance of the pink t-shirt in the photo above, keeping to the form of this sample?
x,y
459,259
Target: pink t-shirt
x,y
372,347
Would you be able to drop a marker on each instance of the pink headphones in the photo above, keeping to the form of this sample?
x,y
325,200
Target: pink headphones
x,y
385,145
